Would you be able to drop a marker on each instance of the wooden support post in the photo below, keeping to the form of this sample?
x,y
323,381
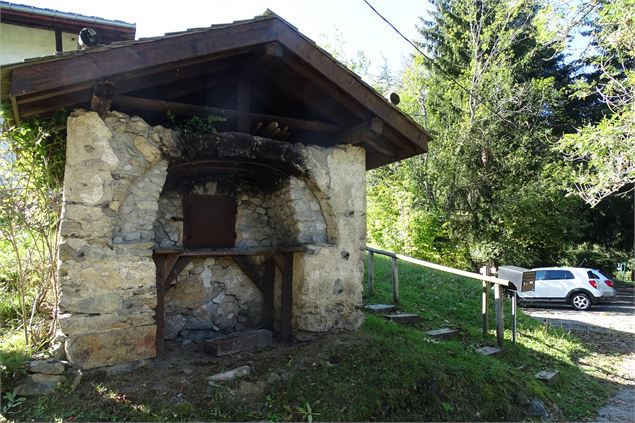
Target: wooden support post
x,y
286,298
395,280
371,273
268,279
159,317
514,305
243,94
500,327
485,301
59,46
164,267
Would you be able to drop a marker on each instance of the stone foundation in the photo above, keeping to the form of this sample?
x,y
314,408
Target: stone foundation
x,y
118,208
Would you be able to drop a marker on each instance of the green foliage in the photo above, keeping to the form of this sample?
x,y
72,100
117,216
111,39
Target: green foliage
x,y
602,154
11,401
490,187
31,177
195,124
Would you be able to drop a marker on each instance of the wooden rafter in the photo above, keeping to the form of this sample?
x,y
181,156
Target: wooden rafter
x,y
163,106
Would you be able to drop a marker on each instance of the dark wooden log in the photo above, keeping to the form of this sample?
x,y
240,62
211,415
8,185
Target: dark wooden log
x,y
103,95
238,342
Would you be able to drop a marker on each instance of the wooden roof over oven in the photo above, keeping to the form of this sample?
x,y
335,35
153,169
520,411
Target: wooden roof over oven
x,y
262,75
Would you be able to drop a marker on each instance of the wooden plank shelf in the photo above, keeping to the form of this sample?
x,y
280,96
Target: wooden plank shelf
x,y
221,252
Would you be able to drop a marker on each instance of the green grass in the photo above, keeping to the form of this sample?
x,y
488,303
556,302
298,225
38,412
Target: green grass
x,y
384,372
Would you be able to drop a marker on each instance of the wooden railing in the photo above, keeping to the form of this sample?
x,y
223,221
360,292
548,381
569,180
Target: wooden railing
x,y
485,277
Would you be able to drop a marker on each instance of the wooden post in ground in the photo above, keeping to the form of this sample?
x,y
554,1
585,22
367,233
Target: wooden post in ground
x,y
485,301
371,272
498,301
514,305
395,280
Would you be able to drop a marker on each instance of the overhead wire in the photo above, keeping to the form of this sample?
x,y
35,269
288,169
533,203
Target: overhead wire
x,y
450,77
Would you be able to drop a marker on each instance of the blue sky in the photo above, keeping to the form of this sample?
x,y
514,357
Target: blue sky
x,y
360,28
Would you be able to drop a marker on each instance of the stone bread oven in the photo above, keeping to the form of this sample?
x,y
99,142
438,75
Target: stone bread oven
x,y
125,187
190,237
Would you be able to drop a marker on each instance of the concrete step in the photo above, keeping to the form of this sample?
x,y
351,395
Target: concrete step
x,y
380,308
443,333
549,377
491,351
403,318
238,342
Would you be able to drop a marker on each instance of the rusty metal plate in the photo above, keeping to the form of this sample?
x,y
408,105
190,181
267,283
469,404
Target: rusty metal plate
x,y
209,221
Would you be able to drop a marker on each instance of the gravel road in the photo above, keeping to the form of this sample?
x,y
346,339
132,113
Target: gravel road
x,y
609,327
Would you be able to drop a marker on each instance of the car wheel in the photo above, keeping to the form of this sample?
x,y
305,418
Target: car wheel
x,y
581,301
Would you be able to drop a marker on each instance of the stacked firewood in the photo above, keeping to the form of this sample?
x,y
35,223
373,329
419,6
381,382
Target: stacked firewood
x,y
271,130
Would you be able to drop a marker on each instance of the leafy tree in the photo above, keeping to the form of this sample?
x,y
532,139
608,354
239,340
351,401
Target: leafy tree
x,y
492,95
603,153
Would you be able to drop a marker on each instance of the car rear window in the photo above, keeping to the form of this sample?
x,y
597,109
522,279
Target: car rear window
x,y
559,274
592,275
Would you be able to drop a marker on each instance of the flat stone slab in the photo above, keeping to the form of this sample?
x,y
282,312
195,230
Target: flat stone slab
x,y
403,317
443,333
491,351
238,342
380,308
549,377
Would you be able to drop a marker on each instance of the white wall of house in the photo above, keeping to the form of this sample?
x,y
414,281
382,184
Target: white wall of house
x,y
20,42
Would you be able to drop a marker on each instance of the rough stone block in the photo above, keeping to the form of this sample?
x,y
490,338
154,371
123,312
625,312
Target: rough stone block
x,y
48,367
445,333
110,347
491,351
403,318
238,342
548,377
38,384
380,308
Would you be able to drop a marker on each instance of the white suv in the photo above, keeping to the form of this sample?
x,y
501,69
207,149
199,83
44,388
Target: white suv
x,y
578,286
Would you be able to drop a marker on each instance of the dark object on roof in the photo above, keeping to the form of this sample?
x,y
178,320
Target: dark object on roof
x,y
88,37
260,75
35,17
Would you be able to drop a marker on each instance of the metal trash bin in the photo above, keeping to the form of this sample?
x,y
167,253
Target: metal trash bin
x,y
521,278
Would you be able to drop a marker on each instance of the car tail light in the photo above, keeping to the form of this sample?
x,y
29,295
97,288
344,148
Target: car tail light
x,y
593,283
609,282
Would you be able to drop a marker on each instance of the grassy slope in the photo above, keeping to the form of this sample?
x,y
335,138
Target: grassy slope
x,y
383,372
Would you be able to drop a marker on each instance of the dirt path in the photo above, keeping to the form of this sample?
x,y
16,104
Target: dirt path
x,y
610,330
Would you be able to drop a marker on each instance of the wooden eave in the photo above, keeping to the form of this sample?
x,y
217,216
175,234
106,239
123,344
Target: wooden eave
x,y
321,100
32,17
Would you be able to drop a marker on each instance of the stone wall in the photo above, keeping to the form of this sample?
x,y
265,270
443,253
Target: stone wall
x,y
114,174
327,291
117,210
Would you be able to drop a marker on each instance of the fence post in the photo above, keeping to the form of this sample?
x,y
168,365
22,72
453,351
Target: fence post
x,y
500,328
514,305
371,272
395,280
485,301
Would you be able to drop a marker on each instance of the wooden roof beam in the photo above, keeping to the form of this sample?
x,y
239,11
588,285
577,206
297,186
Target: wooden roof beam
x,y
365,131
161,106
138,56
337,75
